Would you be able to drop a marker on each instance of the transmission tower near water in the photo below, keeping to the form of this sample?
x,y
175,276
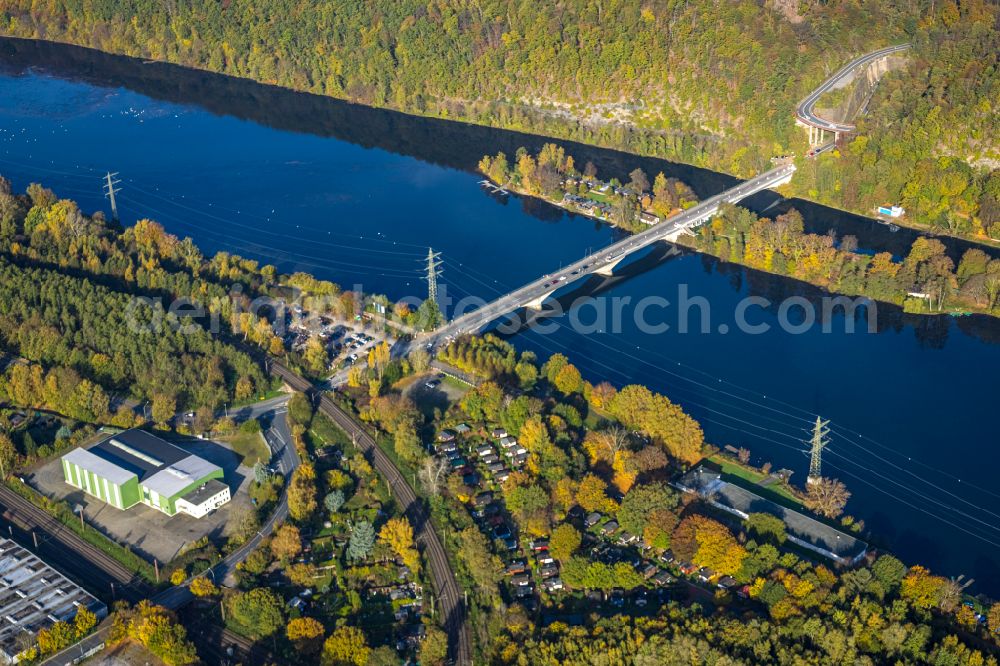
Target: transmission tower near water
x,y
819,441
110,192
433,266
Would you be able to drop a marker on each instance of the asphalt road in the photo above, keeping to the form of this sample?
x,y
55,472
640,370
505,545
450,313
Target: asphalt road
x,y
610,255
804,111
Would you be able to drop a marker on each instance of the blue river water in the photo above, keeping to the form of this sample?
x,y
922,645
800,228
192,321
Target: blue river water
x,y
358,195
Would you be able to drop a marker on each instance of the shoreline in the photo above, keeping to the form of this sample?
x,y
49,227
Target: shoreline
x,y
986,244
687,241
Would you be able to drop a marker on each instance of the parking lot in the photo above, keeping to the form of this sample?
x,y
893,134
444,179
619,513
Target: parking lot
x,y
145,530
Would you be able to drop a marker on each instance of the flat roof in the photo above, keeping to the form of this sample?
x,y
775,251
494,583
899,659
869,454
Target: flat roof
x,y
138,451
86,460
179,475
709,484
33,596
209,489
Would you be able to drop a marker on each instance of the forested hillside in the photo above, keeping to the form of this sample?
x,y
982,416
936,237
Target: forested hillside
x,y
711,83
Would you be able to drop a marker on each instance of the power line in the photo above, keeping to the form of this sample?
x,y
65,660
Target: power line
x,y
273,233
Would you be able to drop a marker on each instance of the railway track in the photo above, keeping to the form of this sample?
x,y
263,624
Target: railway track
x,y
20,511
448,592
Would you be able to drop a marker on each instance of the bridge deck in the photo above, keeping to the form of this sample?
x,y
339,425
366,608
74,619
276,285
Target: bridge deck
x,y
535,292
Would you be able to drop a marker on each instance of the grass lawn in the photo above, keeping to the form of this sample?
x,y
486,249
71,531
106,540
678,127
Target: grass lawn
x,y
754,478
323,432
249,446
461,387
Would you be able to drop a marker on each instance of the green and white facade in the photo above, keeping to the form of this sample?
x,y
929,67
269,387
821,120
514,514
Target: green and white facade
x,y
135,467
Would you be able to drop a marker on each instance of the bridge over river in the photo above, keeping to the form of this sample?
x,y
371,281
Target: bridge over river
x,y
533,294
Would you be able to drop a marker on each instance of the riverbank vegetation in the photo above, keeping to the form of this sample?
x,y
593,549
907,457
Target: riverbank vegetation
x,y
712,84
553,175
576,543
924,281
585,477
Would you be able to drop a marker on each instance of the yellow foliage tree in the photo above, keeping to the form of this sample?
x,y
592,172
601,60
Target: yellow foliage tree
x,y
203,587
592,495
287,542
398,534
305,633
346,646
84,622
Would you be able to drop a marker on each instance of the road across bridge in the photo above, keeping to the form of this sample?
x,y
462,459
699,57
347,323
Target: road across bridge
x,y
534,293
805,111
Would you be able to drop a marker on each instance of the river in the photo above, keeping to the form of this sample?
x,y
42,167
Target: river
x,y
356,195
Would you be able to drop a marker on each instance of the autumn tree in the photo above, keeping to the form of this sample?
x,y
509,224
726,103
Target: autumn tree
x,y
921,588
84,621
546,459
826,497
592,495
434,648
398,534
315,356
568,380
407,445
346,646
259,612
286,543
302,492
8,454
484,566
164,408
564,542
305,633
378,359
707,543
638,408
203,587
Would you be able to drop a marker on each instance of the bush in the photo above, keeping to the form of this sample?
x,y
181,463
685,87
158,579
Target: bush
x,y
250,426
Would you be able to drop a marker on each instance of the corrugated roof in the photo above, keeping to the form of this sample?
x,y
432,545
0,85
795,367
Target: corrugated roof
x,y
174,478
99,466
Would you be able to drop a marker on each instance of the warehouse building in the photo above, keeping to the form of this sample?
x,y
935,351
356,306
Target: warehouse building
x,y
800,529
135,466
34,596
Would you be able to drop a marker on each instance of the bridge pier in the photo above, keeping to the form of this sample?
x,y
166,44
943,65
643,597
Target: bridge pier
x,y
536,304
608,269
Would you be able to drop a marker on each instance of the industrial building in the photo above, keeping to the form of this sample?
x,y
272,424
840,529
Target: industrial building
x,y
34,596
800,529
135,466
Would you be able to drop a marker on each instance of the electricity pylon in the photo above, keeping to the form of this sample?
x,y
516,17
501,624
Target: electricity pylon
x,y
432,272
820,439
110,192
